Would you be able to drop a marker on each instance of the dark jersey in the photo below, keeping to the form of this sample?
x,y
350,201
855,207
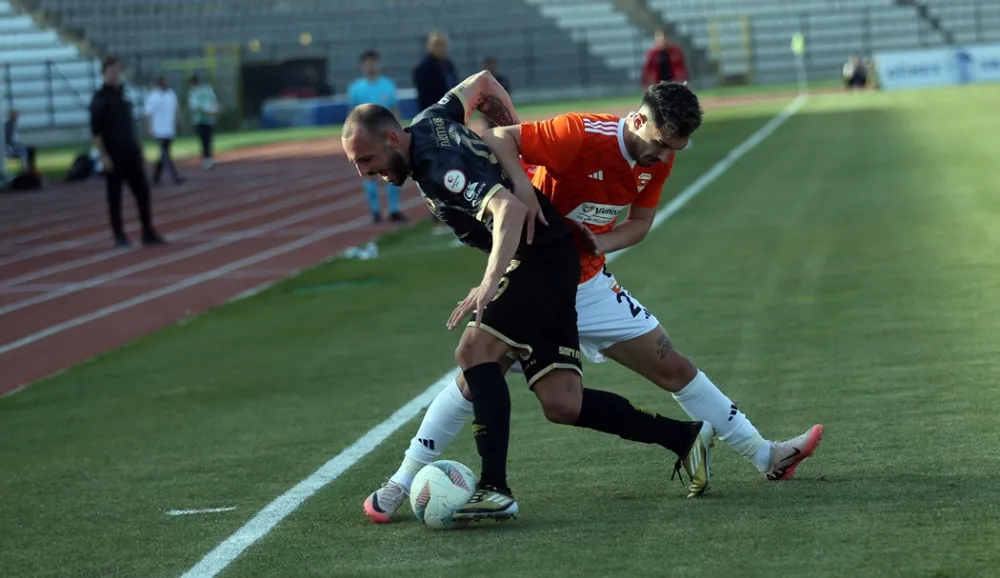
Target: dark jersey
x,y
457,175
111,118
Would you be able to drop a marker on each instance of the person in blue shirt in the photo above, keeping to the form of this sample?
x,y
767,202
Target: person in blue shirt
x,y
373,88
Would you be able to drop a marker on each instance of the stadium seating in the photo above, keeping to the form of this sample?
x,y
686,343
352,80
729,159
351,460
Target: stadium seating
x,y
531,50
46,79
752,37
968,22
606,32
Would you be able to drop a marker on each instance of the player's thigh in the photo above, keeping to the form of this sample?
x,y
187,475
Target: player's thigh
x,y
608,314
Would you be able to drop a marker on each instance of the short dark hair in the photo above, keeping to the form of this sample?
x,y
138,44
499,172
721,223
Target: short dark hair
x,y
369,117
370,54
674,107
108,62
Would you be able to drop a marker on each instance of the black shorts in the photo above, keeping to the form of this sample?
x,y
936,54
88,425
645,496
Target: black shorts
x,y
534,310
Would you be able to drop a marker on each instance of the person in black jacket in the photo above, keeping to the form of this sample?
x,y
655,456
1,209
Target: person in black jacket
x,y
112,125
436,74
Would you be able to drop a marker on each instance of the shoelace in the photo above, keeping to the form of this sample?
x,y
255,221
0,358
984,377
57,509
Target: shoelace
x,y
400,488
678,467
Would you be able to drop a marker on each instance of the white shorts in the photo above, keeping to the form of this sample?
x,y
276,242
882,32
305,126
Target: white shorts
x,y
607,314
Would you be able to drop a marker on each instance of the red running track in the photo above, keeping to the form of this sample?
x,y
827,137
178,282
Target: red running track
x,y
262,214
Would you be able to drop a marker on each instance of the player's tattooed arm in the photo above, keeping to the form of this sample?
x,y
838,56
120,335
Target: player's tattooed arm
x,y
482,92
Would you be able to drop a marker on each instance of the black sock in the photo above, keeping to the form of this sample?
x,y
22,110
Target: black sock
x,y
491,421
611,413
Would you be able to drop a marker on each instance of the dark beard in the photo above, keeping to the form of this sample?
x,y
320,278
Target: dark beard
x,y
398,169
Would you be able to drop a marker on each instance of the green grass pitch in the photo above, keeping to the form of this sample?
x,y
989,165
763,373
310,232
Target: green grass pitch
x,y
846,271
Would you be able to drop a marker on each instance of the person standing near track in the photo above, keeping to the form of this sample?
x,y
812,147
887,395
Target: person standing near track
x,y
205,113
373,87
161,111
112,125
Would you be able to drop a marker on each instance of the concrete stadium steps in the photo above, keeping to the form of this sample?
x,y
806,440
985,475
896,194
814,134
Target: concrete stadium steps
x,y
606,32
969,22
532,50
833,30
49,81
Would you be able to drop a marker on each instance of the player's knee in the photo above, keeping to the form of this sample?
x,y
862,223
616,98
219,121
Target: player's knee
x,y
675,371
477,347
561,397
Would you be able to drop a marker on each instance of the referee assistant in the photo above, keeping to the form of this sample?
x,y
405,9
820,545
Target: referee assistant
x,y
113,129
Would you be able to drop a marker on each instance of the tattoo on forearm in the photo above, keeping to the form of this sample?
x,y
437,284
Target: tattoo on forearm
x,y
495,110
664,346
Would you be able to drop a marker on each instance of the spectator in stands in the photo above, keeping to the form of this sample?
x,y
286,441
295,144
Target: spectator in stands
x,y
436,73
490,65
13,147
664,61
161,113
113,127
205,115
433,77
855,73
372,87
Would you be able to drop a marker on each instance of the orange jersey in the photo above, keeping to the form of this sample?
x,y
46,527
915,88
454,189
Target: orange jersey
x,y
585,170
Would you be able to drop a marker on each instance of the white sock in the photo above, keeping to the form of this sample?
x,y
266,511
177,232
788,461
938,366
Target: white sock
x,y
442,423
704,402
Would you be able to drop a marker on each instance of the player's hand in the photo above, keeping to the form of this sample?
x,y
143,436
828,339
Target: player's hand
x,y
477,300
590,240
525,192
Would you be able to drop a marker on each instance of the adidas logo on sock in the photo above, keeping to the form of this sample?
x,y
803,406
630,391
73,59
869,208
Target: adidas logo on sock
x,y
429,444
599,175
732,412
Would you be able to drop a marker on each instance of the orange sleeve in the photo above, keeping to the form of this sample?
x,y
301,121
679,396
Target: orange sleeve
x,y
552,143
649,198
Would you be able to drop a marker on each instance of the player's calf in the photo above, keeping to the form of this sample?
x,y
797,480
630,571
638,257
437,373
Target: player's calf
x,y
565,400
654,357
476,354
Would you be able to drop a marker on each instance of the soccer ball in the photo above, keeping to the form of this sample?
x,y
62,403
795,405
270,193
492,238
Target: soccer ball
x,y
438,490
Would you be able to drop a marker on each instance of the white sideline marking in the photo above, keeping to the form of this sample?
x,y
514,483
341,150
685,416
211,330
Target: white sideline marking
x,y
196,279
200,511
265,520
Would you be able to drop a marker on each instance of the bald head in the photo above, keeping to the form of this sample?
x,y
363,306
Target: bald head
x,y
371,119
376,143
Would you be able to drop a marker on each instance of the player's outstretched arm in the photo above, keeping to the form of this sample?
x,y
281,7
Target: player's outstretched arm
x,y
508,217
505,142
482,92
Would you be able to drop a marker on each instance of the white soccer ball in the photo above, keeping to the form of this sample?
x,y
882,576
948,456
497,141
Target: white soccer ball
x,y
438,490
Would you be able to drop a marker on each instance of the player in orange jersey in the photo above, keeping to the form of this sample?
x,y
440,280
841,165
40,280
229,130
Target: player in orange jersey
x,y
592,167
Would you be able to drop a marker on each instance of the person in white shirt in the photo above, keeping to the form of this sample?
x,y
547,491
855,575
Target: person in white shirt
x,y
161,112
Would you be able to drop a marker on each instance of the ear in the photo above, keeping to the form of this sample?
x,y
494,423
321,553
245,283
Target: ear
x,y
638,120
391,139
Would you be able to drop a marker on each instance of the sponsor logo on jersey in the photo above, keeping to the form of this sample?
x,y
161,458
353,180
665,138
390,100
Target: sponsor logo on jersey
x,y
596,214
454,180
473,191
